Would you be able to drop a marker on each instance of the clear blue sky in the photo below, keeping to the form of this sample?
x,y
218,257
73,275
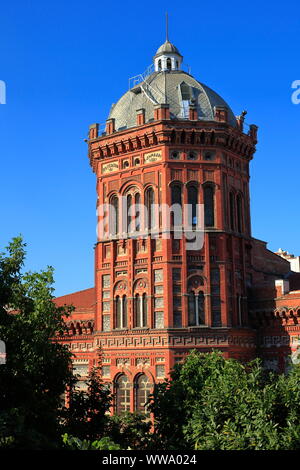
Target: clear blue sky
x,y
65,62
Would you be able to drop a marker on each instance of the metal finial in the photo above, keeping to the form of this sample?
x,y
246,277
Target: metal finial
x,y
167,27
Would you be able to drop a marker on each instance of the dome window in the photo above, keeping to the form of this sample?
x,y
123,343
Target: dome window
x,y
209,155
169,63
175,155
159,65
185,97
192,156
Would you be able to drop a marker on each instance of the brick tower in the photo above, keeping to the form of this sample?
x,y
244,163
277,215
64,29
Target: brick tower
x,y
170,140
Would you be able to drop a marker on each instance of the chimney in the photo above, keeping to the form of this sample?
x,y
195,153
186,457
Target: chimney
x,y
110,126
161,112
140,117
253,132
93,131
193,115
221,113
282,287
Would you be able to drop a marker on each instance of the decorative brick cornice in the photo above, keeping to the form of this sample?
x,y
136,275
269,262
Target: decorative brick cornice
x,y
198,133
282,316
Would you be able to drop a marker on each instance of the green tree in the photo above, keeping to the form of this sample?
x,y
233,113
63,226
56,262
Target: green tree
x,y
37,369
224,404
87,414
131,430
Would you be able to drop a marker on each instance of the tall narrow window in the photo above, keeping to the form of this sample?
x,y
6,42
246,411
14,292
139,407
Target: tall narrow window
x,y
201,312
239,213
196,311
129,213
145,310
124,312
159,65
137,212
191,309
192,201
150,207
176,202
118,312
232,211
142,392
122,386
114,216
209,209
169,64
137,311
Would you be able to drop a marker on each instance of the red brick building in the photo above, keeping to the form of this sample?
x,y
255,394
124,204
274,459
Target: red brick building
x,y
171,140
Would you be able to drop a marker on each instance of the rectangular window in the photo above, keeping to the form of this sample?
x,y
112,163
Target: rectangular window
x,y
177,319
106,306
105,371
158,275
160,372
158,302
106,322
159,289
106,280
159,319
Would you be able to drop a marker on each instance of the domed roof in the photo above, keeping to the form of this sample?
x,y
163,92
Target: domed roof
x,y
176,88
167,47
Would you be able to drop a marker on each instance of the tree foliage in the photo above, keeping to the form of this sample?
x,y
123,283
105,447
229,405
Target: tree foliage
x,y
223,404
87,414
37,369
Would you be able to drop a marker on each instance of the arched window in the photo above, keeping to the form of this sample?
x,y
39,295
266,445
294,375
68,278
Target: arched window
x,y
169,64
209,206
140,310
159,64
114,216
192,201
142,391
150,208
129,213
122,387
177,203
232,211
196,313
137,212
121,311
239,213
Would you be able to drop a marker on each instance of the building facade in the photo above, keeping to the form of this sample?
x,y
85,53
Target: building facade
x,y
176,266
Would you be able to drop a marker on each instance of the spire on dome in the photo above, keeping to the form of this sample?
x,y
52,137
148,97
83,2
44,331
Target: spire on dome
x,y
167,27
167,56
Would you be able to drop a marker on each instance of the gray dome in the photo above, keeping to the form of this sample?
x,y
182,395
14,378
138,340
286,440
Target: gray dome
x,y
172,87
167,47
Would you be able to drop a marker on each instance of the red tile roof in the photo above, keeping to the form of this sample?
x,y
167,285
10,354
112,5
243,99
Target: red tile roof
x,y
83,299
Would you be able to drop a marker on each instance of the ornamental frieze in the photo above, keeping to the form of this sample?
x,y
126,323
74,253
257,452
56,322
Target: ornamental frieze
x,y
160,340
